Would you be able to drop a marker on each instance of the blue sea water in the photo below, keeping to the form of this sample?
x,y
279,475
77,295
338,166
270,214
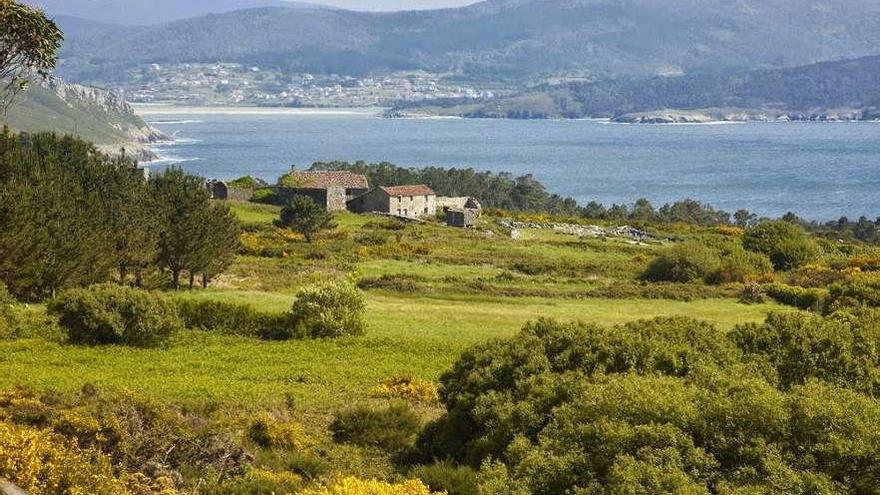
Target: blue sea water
x,y
817,170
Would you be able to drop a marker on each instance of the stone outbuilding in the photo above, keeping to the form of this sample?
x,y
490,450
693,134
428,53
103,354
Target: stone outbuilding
x,y
222,190
413,201
445,203
330,189
461,217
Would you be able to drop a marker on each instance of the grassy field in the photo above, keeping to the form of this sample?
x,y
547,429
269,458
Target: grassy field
x,y
458,274
431,293
418,335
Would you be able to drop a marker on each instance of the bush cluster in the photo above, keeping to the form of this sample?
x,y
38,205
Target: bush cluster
x,y
393,428
112,314
327,309
695,261
43,462
799,297
785,243
668,406
237,319
52,444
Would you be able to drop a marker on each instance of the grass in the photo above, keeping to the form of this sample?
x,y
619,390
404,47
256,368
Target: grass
x,y
252,213
418,331
419,335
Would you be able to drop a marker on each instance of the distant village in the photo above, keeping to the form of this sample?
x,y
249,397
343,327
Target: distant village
x,y
230,83
342,190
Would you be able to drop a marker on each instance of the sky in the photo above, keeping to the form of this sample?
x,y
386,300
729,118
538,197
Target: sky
x,y
395,4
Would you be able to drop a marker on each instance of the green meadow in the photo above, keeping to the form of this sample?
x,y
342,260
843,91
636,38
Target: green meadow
x,y
454,295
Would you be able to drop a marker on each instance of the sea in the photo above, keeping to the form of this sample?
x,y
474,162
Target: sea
x,y
818,170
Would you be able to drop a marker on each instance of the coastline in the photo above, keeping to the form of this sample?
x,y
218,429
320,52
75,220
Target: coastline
x,y
152,110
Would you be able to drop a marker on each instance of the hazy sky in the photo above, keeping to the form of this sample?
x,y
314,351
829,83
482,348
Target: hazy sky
x,y
394,4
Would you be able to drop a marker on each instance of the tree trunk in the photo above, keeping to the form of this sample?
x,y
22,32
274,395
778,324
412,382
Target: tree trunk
x,y
175,276
192,280
205,281
123,274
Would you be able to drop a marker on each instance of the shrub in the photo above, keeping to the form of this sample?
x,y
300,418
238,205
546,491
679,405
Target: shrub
x,y
785,243
799,297
407,387
815,275
354,486
800,347
865,262
257,482
739,265
766,236
668,406
109,314
392,428
45,463
447,477
856,293
753,293
238,319
303,215
269,433
392,282
685,262
794,253
328,309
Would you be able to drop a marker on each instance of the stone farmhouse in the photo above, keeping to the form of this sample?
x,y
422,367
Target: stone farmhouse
x,y
332,190
403,201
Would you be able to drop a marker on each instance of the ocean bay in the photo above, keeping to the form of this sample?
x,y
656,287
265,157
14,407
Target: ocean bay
x,y
817,170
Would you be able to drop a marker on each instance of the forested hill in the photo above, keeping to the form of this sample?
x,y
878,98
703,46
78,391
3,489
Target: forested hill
x,y
144,12
497,39
836,86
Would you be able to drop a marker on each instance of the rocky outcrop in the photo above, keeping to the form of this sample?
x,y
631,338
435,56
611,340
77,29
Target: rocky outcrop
x,y
110,108
710,115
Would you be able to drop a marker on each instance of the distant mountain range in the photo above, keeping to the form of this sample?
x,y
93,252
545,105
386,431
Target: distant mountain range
x,y
100,116
498,40
843,90
145,12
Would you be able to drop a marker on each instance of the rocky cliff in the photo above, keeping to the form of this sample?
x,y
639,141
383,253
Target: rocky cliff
x,y
94,114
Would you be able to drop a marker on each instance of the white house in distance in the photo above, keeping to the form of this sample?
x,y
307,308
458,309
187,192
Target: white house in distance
x,y
413,201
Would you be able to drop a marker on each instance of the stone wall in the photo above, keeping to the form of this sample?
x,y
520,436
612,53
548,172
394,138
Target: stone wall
x,y
335,199
376,201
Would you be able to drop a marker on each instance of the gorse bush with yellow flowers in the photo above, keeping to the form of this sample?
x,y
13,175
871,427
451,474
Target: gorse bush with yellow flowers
x,y
355,486
42,462
407,387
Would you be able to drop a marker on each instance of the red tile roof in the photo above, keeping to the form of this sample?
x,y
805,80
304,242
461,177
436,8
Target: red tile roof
x,y
323,180
418,190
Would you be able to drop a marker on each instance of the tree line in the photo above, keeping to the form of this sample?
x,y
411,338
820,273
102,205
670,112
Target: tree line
x,y
71,216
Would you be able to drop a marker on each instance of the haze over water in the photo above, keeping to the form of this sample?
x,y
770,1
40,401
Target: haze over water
x,y
817,170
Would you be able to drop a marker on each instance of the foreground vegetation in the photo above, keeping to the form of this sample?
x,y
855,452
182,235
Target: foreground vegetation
x,y
303,414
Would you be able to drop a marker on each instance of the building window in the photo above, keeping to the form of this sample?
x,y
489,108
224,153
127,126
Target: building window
x,y
410,198
426,210
405,212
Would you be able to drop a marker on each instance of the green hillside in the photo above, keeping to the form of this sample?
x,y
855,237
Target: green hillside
x,y
812,89
92,114
498,39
